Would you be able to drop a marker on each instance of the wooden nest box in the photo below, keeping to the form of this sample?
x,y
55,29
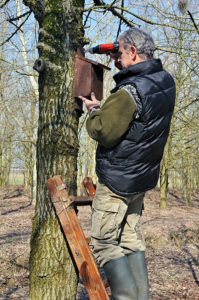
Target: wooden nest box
x,y
88,76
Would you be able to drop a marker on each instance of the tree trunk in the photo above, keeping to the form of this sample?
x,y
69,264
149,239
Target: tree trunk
x,y
5,162
52,272
94,176
1,167
87,157
164,178
34,184
9,160
26,167
187,187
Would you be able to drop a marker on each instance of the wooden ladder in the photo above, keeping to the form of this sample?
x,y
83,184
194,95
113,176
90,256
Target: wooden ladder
x,y
63,204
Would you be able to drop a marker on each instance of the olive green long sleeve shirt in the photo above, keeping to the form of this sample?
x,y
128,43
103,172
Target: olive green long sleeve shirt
x,y
108,124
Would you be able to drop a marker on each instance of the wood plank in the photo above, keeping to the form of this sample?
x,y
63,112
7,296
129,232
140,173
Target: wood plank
x,y
83,200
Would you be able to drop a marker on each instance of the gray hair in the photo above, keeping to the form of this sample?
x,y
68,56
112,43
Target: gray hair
x,y
142,41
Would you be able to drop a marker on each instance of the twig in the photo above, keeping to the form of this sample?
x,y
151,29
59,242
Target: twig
x,y
83,122
3,4
87,18
18,28
172,51
120,23
102,5
192,19
19,17
130,23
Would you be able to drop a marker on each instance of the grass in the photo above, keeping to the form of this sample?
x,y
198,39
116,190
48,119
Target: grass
x,y
16,181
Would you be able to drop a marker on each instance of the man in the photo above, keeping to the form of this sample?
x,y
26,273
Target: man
x,y
131,128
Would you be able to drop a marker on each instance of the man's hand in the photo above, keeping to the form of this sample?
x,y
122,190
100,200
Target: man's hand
x,y
90,103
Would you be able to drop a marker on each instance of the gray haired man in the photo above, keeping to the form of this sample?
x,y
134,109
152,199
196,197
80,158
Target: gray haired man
x,y
131,128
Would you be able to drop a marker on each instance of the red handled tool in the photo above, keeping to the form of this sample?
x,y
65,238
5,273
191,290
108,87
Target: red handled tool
x,y
104,48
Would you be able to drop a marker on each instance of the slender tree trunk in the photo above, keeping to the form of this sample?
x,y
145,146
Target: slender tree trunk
x,y
187,187
26,167
80,176
52,272
1,167
9,160
5,160
86,157
34,184
30,167
94,175
164,178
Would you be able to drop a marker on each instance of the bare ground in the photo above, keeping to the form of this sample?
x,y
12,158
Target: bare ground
x,y
172,237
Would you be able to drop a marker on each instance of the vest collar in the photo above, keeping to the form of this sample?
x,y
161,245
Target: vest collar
x,y
142,68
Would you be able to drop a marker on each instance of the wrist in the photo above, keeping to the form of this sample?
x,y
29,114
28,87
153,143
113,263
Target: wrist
x,y
93,109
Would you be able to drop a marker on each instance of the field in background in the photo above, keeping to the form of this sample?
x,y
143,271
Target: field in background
x,y
16,177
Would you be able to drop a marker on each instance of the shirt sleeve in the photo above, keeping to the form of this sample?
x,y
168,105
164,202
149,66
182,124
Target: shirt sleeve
x,y
109,124
131,90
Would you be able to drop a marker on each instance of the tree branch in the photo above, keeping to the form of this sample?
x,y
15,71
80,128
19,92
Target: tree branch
x,y
18,28
192,19
120,23
129,23
114,12
3,4
173,51
187,105
87,18
19,17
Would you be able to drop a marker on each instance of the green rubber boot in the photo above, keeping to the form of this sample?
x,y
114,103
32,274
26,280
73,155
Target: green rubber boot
x,y
120,278
138,267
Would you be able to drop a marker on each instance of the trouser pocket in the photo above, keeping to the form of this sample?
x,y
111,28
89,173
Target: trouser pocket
x,y
108,211
104,219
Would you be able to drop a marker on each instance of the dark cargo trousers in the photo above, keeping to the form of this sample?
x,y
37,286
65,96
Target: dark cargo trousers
x,y
116,226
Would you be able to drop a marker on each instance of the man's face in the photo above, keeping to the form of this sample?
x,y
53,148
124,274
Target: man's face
x,y
122,58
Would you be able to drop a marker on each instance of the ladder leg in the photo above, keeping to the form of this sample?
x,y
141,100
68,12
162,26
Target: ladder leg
x,y
76,239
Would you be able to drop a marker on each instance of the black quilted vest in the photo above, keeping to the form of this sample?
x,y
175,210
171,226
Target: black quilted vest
x,y
133,165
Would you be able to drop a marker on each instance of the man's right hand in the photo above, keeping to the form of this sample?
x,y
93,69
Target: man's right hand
x,y
90,103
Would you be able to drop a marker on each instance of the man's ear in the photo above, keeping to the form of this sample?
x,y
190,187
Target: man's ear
x,y
133,52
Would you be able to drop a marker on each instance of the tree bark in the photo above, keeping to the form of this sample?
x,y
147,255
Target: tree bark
x,y
164,178
1,167
9,158
52,272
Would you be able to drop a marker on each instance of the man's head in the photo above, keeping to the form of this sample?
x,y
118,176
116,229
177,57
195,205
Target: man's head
x,y
134,46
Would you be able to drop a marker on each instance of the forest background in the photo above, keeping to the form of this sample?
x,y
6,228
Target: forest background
x,y
174,27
